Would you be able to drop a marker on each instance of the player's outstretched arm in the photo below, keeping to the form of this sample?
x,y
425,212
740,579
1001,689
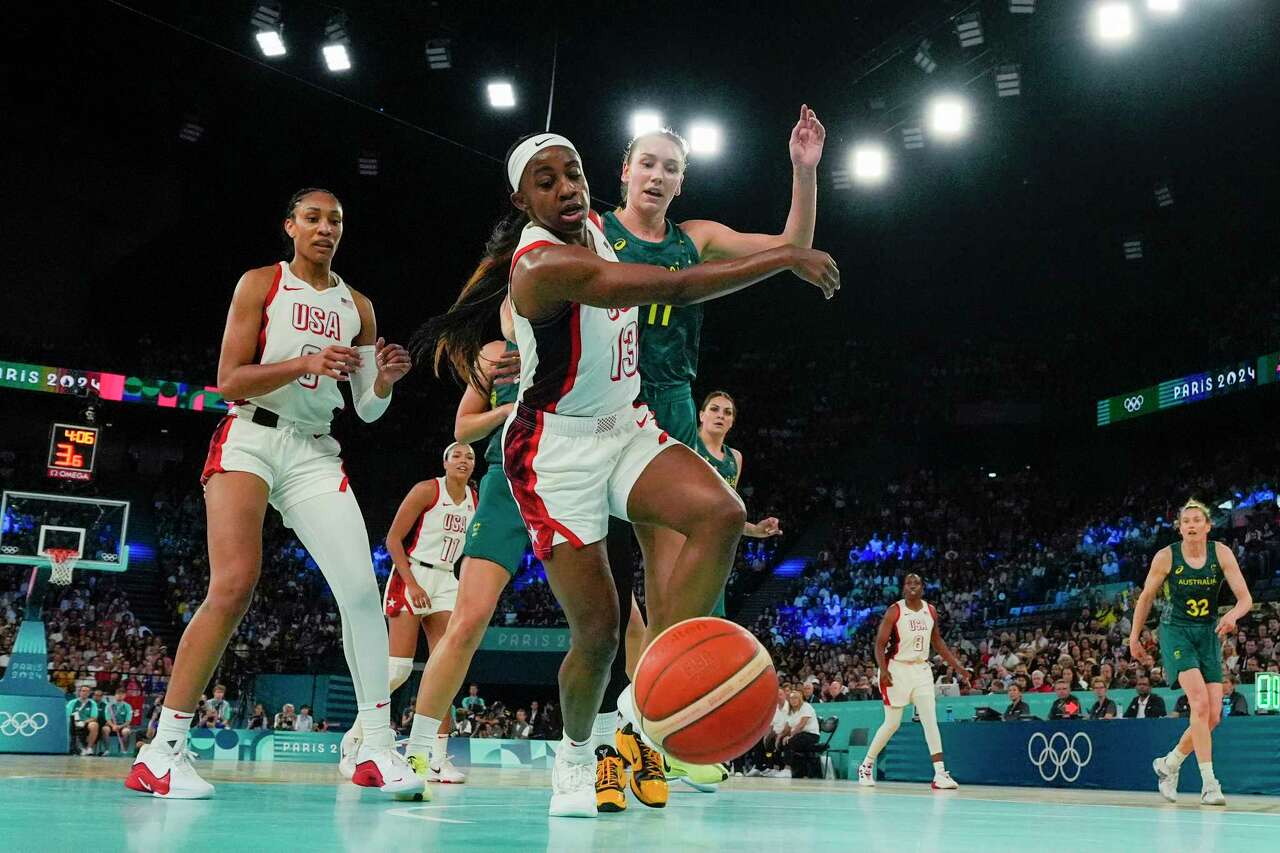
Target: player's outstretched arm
x,y
1235,580
421,496
1161,563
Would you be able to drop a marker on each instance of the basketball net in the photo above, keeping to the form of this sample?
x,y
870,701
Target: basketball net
x,y
63,561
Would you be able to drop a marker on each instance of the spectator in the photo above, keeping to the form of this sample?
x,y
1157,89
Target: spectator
x,y
304,721
1181,708
806,692
1103,708
799,735
286,718
1066,706
119,714
835,691
1017,709
472,702
322,726
864,690
763,757
521,729
462,725
259,720
220,705
1233,702
82,712
1038,684
1146,705
210,720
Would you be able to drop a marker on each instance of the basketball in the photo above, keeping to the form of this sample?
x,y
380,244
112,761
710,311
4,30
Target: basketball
x,y
706,690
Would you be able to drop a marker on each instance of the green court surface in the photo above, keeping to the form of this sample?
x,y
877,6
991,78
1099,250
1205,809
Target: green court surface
x,y
71,803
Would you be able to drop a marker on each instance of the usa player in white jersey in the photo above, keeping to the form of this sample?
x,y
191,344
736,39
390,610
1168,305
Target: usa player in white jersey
x,y
577,447
907,634
294,331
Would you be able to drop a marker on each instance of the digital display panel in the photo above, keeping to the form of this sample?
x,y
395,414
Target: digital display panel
x,y
72,451
1192,388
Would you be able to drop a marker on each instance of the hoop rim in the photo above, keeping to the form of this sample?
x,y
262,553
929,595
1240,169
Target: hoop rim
x,y
58,557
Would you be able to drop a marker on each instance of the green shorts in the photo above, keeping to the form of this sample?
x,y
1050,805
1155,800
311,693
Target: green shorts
x,y
497,529
675,412
1184,647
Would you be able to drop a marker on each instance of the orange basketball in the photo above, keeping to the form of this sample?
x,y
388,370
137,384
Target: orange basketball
x,y
706,690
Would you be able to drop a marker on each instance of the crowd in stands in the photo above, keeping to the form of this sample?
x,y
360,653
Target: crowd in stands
x,y
474,717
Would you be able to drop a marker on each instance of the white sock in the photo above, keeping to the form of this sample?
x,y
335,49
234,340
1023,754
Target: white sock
x,y
375,721
575,752
171,733
420,736
938,768
627,708
1206,774
442,749
1175,758
603,728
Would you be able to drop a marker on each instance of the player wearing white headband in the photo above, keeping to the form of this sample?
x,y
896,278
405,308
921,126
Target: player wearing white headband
x,y
577,448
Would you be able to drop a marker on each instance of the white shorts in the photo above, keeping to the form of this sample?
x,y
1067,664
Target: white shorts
x,y
569,474
295,465
439,582
910,682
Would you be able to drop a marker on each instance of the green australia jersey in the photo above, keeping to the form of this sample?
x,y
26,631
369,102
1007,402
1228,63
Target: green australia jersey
x,y
500,395
1192,594
669,334
726,467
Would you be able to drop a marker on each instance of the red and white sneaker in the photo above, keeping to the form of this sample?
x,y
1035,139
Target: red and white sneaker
x,y
867,775
350,746
942,781
161,773
385,769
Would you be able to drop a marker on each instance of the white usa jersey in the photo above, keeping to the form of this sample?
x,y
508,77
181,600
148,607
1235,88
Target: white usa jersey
x,y
909,642
437,537
584,361
298,320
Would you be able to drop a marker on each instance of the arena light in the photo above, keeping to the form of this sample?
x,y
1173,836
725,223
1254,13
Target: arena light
x,y
948,117
1164,194
1164,7
645,121
869,163
191,129
1113,22
913,137
704,138
502,95
1133,249
267,21
841,179
924,57
271,44
336,57
1008,81
439,53
969,29
1022,7
367,165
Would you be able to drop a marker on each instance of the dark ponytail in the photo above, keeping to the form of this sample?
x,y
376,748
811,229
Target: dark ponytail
x,y
458,335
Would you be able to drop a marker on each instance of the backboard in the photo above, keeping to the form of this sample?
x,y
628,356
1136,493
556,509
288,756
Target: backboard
x,y
31,523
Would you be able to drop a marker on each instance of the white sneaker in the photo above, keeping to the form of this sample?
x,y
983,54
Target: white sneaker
x,y
867,775
784,773
445,772
755,771
84,750
350,746
942,781
166,774
1211,795
1166,779
385,769
573,788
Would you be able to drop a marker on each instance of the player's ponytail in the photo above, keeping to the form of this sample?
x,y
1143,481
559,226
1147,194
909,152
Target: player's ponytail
x,y
458,335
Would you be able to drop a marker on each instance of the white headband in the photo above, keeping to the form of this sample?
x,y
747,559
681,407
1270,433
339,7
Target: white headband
x,y
450,448
524,152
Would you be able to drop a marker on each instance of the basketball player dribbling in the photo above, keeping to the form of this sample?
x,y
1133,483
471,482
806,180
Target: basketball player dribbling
x,y
425,542
578,447
907,633
1189,575
294,331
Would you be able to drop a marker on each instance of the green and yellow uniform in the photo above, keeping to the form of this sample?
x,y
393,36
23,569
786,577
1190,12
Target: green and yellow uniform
x,y
497,529
669,334
1187,636
728,469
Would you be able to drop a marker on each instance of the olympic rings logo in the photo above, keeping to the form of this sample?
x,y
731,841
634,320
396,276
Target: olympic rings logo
x,y
22,723
1133,404
1057,757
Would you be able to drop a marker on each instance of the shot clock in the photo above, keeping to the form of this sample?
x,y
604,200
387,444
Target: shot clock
x,y
72,450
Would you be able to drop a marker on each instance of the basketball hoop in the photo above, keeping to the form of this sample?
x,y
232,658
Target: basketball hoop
x,y
63,561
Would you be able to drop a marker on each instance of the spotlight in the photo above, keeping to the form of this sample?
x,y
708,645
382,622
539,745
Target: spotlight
x,y
269,30
191,129
969,29
948,116
912,137
367,165
501,95
704,138
1008,81
1022,7
924,59
1165,7
645,121
336,41
1133,249
1113,22
1164,195
841,180
869,163
439,54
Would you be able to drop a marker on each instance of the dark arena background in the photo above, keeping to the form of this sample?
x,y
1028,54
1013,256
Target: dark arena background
x,y
1055,224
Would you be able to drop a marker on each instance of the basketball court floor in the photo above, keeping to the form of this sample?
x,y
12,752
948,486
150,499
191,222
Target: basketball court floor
x,y
72,803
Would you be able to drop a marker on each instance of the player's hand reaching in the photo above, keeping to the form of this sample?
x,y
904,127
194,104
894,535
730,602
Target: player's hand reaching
x,y
393,361
764,528
504,370
1226,625
1139,653
886,680
807,139
818,268
335,361
962,675
417,596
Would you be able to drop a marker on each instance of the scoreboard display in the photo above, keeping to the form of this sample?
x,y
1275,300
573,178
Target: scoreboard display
x,y
72,451
1193,388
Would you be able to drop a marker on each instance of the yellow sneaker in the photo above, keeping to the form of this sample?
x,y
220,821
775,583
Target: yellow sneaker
x,y
701,777
610,795
648,782
421,768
